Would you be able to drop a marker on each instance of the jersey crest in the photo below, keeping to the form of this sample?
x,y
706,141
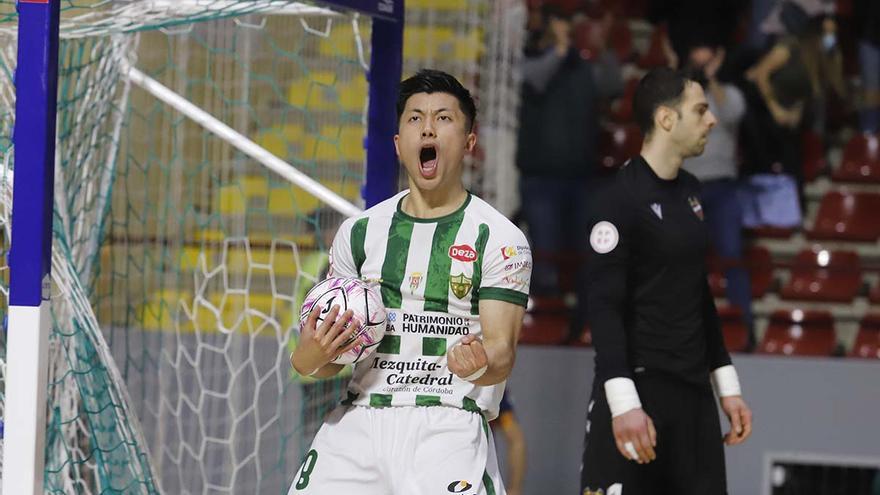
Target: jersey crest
x,y
460,285
696,206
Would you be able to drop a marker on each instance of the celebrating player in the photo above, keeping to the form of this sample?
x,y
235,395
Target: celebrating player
x,y
652,423
454,277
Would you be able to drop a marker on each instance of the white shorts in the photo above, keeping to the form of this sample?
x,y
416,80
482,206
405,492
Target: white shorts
x,y
400,451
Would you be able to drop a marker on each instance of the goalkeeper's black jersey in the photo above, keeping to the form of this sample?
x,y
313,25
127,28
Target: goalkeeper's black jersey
x,y
649,302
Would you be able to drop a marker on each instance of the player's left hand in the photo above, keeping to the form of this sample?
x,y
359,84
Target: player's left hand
x,y
740,417
467,357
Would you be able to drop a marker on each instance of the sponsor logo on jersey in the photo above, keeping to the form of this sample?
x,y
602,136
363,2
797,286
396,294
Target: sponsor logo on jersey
x,y
459,486
463,252
657,209
696,206
508,252
460,285
514,280
415,280
517,265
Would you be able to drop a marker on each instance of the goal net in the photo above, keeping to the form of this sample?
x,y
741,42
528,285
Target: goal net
x,y
180,259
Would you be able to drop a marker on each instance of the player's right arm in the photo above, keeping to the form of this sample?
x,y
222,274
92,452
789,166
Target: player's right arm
x,y
319,344
611,239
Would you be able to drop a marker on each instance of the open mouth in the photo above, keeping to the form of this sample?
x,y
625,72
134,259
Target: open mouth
x,y
428,161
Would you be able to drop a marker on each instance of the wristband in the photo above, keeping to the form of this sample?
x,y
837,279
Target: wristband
x,y
726,381
476,374
621,395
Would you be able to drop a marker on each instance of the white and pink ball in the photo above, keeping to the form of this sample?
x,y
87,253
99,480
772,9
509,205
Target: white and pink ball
x,y
363,298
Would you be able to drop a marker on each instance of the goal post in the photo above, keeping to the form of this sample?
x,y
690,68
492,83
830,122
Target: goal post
x,y
90,440
28,328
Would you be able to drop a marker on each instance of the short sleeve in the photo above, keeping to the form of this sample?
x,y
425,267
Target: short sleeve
x,y
506,267
342,262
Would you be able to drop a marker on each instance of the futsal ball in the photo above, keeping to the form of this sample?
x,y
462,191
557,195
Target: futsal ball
x,y
363,299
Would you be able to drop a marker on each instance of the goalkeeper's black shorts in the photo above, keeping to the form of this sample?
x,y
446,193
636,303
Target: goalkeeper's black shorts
x,y
690,449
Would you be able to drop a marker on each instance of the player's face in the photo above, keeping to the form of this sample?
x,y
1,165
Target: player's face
x,y
432,139
691,132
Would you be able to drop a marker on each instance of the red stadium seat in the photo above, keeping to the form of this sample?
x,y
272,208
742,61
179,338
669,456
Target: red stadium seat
x,y
546,322
801,333
654,56
820,275
622,111
757,262
867,344
874,295
861,160
620,40
736,335
814,155
585,339
544,328
847,216
617,144
760,266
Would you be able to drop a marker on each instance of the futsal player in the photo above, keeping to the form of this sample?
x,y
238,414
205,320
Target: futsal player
x,y
454,276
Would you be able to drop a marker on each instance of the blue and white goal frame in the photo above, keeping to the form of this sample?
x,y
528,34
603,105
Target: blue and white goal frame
x,y
36,81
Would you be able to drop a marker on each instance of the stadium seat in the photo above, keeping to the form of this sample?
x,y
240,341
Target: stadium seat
x,y
654,56
617,144
545,323
867,344
620,40
861,160
799,332
814,155
758,263
736,334
820,275
621,111
847,216
874,295
585,339
544,329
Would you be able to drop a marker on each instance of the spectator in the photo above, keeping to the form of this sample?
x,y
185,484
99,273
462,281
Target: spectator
x,y
867,15
556,156
783,84
717,168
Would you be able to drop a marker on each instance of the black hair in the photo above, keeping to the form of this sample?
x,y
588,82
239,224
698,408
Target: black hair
x,y
436,81
660,87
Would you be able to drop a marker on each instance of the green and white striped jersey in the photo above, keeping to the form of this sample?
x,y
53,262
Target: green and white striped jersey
x,y
433,274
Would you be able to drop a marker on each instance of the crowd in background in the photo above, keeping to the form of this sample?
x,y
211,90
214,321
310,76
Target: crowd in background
x,y
773,70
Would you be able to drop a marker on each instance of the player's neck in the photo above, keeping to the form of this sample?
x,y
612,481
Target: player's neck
x,y
663,159
433,204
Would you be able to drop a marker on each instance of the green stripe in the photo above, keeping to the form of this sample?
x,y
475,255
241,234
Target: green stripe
x,y
396,253
470,405
437,281
482,239
390,344
358,235
433,346
507,295
427,400
487,481
380,400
